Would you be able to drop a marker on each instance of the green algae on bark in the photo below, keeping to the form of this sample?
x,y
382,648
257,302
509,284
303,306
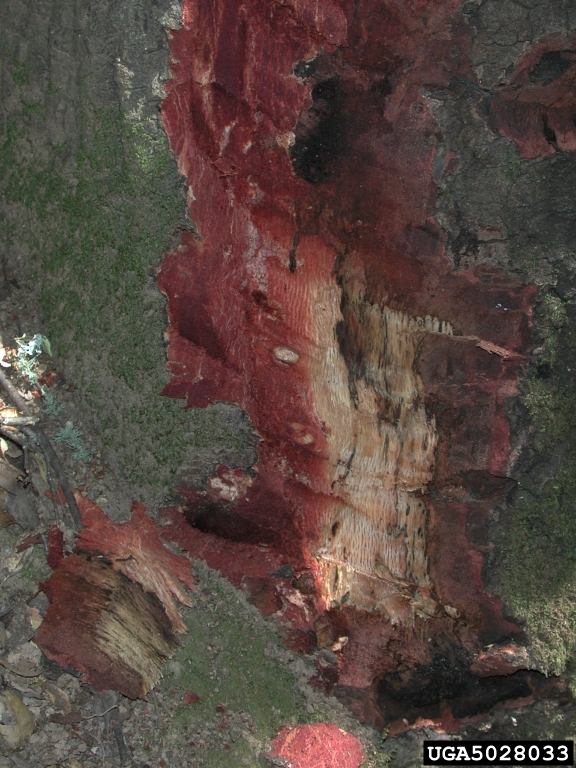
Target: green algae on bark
x,y
91,198
90,241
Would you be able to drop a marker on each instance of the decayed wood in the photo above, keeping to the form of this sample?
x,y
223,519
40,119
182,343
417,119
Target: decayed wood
x,y
381,445
105,627
136,550
112,614
320,298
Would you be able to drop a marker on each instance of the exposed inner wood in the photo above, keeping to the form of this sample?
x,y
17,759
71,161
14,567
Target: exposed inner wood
x,y
113,615
385,440
381,445
106,627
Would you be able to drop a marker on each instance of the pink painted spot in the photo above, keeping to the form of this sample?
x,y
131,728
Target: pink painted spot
x,y
322,745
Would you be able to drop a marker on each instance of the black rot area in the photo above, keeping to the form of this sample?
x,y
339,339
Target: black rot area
x,y
551,66
427,691
320,134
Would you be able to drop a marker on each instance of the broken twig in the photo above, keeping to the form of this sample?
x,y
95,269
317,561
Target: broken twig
x,y
19,421
37,434
9,434
100,714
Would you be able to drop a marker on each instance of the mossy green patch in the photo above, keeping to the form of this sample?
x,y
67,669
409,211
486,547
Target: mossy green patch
x,y
20,72
233,684
234,662
538,544
540,558
513,169
248,681
91,219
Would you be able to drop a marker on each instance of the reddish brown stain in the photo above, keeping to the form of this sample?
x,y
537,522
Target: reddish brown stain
x,y
55,546
308,148
536,108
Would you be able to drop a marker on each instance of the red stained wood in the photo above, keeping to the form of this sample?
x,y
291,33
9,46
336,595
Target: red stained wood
x,y
263,594
55,546
112,614
244,564
314,202
105,627
536,109
504,660
136,550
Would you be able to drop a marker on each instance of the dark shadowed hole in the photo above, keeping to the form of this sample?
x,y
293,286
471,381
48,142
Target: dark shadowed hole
x,y
425,691
465,244
306,69
382,87
550,67
320,133
549,133
223,520
543,369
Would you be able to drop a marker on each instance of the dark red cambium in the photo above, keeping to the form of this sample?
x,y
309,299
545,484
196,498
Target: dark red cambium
x,y
536,108
112,614
317,295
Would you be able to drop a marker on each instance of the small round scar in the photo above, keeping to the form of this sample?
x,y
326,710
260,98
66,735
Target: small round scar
x,y
286,355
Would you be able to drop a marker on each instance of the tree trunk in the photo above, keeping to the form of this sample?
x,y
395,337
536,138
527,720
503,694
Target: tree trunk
x,y
370,312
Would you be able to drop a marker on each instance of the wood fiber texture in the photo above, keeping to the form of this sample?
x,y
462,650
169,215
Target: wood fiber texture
x,y
112,614
316,293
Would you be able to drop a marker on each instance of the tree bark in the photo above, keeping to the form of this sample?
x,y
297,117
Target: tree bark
x,y
378,269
